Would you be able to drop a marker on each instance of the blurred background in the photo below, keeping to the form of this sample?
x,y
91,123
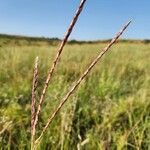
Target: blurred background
x,y
110,109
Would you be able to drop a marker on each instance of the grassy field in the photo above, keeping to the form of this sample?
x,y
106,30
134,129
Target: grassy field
x,y
110,109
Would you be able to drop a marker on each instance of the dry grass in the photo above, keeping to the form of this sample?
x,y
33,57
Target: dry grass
x,y
35,116
60,49
34,87
73,88
109,123
50,72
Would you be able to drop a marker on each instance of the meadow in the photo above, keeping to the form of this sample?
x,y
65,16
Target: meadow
x,y
110,109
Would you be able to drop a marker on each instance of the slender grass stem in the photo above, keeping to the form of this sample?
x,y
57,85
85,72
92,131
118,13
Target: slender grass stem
x,y
69,30
73,88
34,87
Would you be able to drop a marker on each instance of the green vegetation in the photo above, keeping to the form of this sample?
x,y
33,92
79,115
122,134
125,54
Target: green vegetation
x,y
110,109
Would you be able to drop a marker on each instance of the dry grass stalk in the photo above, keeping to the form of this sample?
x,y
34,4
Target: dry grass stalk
x,y
75,18
34,87
72,89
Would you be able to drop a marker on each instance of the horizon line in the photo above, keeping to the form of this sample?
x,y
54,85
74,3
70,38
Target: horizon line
x,y
72,39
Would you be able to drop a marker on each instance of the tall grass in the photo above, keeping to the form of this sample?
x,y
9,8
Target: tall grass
x,y
51,70
77,83
111,108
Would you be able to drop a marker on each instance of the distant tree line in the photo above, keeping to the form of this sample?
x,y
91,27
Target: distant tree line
x,y
54,41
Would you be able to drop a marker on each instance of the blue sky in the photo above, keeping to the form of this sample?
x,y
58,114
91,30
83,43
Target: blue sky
x,y
100,19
